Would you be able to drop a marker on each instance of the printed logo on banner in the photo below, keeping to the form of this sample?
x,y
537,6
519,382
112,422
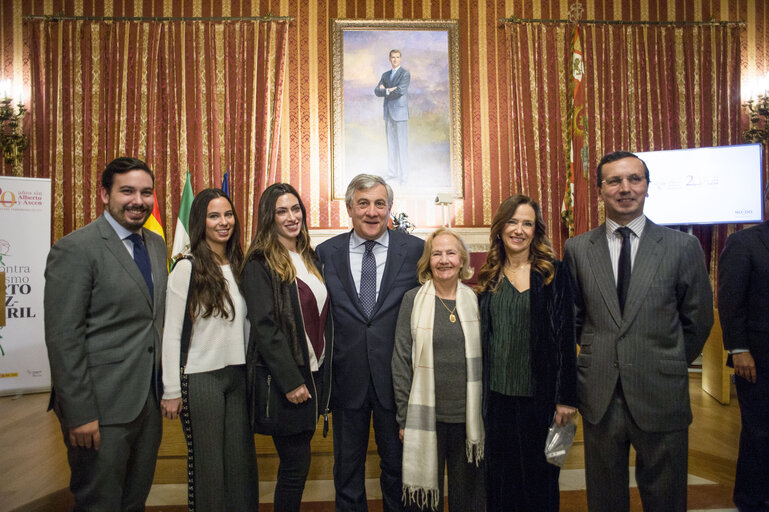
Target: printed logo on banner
x,y
22,200
7,198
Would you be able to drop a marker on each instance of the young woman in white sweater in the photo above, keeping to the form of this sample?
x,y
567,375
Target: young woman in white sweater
x,y
209,391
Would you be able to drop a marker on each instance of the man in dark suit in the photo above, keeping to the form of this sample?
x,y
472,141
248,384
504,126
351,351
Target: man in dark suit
x,y
367,271
104,303
644,308
743,305
394,88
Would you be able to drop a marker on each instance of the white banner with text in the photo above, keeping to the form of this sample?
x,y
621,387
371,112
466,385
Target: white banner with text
x,y
25,239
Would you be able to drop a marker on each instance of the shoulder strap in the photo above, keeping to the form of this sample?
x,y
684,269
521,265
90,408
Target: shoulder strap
x,y
187,325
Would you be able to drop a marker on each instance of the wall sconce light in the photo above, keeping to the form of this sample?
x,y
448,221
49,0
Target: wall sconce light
x,y
13,141
758,112
757,107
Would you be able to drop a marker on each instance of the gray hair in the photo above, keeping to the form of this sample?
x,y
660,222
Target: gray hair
x,y
365,182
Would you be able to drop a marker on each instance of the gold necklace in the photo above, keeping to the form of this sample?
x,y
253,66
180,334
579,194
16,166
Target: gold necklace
x,y
514,271
452,318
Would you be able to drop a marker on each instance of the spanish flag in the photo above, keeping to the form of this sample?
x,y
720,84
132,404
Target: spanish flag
x,y
153,221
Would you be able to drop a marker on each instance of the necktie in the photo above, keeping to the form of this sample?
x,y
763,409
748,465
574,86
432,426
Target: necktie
x,y
623,272
142,259
392,74
367,295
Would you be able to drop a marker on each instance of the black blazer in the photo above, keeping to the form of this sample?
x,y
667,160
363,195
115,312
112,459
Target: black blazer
x,y
364,346
743,292
553,339
278,362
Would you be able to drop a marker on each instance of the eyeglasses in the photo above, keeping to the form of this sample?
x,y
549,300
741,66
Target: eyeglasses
x,y
616,181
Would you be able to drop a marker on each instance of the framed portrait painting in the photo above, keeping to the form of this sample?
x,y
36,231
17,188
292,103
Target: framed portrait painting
x,y
395,102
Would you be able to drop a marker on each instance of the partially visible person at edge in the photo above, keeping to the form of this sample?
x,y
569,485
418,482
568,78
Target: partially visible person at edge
x,y
436,367
213,398
529,356
743,305
291,344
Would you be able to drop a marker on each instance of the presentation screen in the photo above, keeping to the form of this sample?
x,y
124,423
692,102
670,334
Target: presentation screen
x,y
704,185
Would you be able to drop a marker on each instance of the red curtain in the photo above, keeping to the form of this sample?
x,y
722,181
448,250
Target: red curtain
x,y
538,57
647,87
197,96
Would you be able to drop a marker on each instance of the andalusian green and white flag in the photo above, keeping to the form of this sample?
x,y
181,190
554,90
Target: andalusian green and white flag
x,y
182,233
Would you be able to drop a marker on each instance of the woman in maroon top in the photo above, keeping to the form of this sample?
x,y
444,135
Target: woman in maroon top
x,y
290,345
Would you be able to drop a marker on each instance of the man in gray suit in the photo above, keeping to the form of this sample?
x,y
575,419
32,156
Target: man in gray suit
x,y
394,88
104,303
644,308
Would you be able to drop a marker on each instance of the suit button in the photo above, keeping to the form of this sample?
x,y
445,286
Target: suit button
x,y
616,364
150,349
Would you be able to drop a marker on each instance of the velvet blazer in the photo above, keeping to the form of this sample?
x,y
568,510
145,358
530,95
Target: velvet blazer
x,y
552,338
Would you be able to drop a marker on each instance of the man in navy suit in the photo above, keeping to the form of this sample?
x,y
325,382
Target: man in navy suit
x,y
367,271
394,88
743,304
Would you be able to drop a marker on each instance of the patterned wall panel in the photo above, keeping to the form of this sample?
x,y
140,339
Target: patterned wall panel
x,y
305,151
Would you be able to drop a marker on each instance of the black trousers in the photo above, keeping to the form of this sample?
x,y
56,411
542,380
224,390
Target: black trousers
x,y
351,430
294,453
751,485
466,492
518,476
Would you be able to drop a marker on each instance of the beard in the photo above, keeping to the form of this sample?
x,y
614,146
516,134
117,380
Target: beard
x,y
121,215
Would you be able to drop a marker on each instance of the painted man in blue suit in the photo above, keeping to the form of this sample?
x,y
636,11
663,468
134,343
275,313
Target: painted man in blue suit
x,y
367,271
394,88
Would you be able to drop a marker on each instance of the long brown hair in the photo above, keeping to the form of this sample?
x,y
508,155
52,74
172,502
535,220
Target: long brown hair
x,y
267,243
210,294
541,254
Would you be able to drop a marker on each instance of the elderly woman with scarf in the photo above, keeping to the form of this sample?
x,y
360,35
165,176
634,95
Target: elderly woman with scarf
x,y
436,369
529,356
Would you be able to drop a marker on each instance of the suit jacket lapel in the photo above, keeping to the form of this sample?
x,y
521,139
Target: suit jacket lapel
x,y
342,266
157,264
117,248
647,260
603,273
395,258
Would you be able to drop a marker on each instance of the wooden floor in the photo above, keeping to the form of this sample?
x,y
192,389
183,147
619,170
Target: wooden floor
x,y
34,471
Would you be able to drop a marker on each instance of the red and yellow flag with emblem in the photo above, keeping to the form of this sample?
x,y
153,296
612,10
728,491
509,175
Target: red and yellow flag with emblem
x,y
575,201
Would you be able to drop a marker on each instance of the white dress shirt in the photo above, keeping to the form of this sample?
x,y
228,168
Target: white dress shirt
x,y
357,248
615,240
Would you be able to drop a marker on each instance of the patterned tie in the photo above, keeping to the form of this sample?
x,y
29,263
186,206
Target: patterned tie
x,y
623,272
142,259
367,294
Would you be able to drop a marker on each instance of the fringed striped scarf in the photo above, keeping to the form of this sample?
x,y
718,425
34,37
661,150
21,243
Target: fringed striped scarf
x,y
420,443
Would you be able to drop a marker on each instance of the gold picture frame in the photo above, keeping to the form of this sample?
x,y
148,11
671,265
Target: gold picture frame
x,y
360,59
